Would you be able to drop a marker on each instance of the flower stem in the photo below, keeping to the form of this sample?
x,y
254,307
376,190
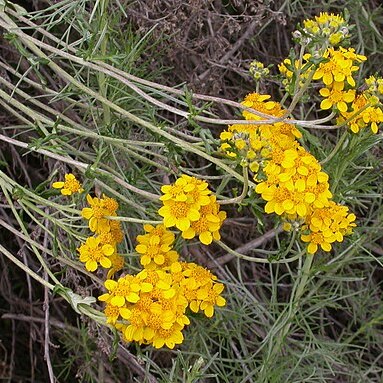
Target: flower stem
x,y
285,321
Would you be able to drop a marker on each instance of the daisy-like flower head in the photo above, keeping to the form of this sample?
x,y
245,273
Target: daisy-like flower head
x,y
327,225
114,236
155,247
112,313
123,291
187,189
263,104
99,209
210,296
362,115
169,337
182,201
339,66
318,239
93,253
69,186
336,97
208,225
179,214
195,278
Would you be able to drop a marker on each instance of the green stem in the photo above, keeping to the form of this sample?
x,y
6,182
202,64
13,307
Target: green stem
x,y
286,319
240,198
254,259
336,148
102,81
25,231
25,268
134,220
81,166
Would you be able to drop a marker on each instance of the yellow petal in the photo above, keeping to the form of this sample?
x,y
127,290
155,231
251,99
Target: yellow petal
x,y
58,185
108,250
118,301
91,265
325,246
183,224
209,311
87,212
105,262
312,248
325,104
206,238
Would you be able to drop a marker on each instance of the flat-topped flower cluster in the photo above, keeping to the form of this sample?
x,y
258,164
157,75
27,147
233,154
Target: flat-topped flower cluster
x,y
189,205
289,178
336,67
152,306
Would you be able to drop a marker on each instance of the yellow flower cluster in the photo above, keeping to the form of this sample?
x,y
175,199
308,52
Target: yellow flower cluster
x,y
327,225
339,93
189,206
251,143
336,69
70,186
332,28
289,178
365,110
150,307
101,249
357,111
337,75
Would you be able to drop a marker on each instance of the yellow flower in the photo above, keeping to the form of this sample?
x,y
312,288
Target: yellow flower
x,y
122,291
69,186
93,254
210,296
208,225
295,183
150,307
337,97
187,189
179,214
263,104
361,115
114,236
339,66
169,337
112,313
155,247
99,209
327,225
182,201
195,278
316,239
